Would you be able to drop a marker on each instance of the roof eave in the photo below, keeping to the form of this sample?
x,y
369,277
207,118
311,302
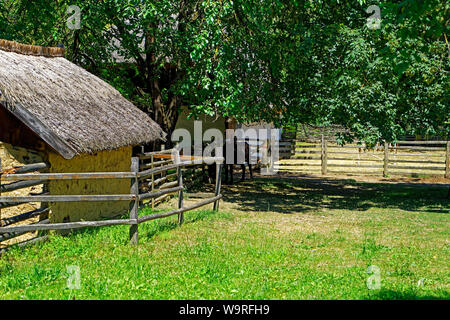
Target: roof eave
x,y
48,136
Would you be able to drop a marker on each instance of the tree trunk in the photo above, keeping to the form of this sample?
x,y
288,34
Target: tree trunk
x,y
165,113
166,116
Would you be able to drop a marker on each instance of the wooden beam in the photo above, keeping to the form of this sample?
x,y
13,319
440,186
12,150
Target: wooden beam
x,y
8,236
447,162
423,142
32,122
134,206
25,243
169,185
418,168
386,159
178,211
324,158
66,226
27,168
148,155
67,176
71,198
24,216
148,173
219,167
20,185
152,195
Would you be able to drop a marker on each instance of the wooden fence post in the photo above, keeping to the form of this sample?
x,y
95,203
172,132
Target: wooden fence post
x,y
447,162
292,145
386,159
324,157
141,165
177,160
153,179
44,205
219,166
134,206
180,195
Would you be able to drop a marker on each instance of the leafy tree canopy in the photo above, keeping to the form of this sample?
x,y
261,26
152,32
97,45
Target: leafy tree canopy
x,y
291,61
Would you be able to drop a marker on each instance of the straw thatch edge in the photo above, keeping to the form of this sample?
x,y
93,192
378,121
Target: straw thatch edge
x,y
31,50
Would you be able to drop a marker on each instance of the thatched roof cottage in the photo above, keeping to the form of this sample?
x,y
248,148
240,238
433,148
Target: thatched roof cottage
x,y
54,111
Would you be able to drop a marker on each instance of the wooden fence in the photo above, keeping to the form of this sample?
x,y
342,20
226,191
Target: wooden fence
x,y
140,175
157,181
36,216
404,158
169,178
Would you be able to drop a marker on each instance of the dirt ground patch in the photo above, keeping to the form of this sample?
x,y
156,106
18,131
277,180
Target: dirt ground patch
x,y
370,179
295,193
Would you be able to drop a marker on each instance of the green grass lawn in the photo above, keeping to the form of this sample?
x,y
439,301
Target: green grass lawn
x,y
274,239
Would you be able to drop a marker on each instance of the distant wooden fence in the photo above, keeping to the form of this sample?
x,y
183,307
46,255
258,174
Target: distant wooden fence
x,y
139,176
157,181
169,178
404,158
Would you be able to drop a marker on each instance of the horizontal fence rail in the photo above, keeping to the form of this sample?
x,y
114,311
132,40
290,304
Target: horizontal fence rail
x,y
66,225
27,168
34,217
67,176
20,185
179,211
137,177
72,198
24,216
400,158
11,235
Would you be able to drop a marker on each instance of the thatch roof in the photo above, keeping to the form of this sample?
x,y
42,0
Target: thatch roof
x,y
70,109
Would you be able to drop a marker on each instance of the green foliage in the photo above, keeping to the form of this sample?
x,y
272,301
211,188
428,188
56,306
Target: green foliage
x,y
283,61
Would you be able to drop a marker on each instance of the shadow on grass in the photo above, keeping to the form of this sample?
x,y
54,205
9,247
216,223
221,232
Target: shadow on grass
x,y
151,229
302,194
305,194
147,230
409,295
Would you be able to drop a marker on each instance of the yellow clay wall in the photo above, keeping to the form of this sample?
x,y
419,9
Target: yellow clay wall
x,y
104,161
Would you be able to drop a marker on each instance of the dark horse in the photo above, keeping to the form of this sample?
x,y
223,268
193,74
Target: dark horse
x,y
229,167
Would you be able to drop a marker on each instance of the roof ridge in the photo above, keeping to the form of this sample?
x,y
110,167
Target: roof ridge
x,y
31,50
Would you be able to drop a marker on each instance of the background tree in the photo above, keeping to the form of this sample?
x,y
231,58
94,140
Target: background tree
x,y
287,62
